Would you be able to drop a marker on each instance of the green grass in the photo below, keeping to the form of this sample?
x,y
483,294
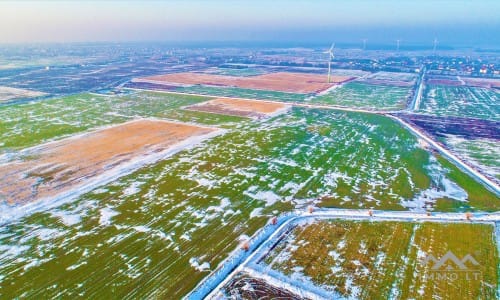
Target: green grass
x,y
483,153
242,93
367,96
29,124
480,199
235,71
461,101
197,203
369,256
476,240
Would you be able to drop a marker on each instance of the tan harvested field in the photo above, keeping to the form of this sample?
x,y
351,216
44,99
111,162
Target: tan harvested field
x,y
482,82
280,81
9,93
240,107
59,166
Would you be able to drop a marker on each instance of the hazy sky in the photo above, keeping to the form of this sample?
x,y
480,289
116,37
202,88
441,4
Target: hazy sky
x,y
413,21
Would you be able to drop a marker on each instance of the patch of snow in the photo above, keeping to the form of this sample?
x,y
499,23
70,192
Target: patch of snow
x,y
106,214
132,189
256,212
11,251
141,228
194,262
67,218
45,234
268,196
186,237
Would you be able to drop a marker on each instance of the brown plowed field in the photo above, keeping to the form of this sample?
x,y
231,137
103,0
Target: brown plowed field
x,y
444,82
281,81
60,166
482,82
239,107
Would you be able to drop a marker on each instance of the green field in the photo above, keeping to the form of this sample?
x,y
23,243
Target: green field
x,y
393,76
24,125
158,231
234,71
483,153
461,101
418,281
367,96
242,93
385,260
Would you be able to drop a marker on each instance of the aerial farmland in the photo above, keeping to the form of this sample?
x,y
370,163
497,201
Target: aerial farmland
x,y
249,180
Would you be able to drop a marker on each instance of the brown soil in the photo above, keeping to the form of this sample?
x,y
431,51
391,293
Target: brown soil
x,y
281,81
239,107
444,82
60,166
482,82
476,82
389,82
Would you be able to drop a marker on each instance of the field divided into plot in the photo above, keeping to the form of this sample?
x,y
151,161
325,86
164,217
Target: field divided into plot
x,y
367,96
389,77
24,125
57,168
160,230
461,101
240,107
279,81
358,259
242,93
382,260
476,240
482,153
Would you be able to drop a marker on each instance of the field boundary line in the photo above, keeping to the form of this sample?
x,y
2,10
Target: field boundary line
x,y
9,213
292,103
489,184
259,247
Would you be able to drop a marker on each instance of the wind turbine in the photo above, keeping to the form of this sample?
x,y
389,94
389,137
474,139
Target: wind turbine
x,y
364,44
397,44
330,58
434,45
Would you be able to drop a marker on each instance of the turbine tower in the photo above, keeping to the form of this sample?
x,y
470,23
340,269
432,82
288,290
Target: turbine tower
x,y
397,44
434,45
364,44
330,58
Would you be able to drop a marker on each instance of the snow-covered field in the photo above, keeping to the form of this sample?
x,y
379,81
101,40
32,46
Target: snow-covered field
x,y
482,153
393,76
29,124
368,260
9,93
161,229
461,101
367,96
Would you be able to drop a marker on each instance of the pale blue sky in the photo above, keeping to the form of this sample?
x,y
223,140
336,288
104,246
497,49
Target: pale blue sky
x,y
66,21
